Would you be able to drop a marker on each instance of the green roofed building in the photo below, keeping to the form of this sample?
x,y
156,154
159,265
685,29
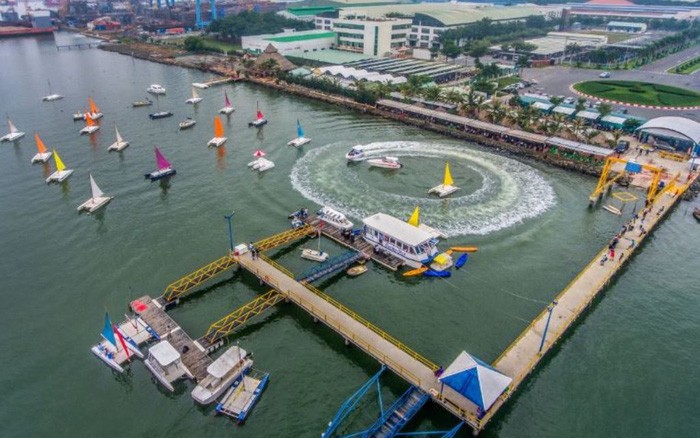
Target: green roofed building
x,y
287,42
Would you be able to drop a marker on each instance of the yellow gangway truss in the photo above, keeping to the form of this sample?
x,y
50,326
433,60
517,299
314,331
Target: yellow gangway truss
x,y
284,238
180,287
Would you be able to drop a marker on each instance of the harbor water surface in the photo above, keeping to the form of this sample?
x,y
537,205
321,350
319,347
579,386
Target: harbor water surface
x,y
628,369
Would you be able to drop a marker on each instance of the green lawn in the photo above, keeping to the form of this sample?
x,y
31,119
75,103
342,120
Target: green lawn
x,y
687,67
643,93
510,80
220,46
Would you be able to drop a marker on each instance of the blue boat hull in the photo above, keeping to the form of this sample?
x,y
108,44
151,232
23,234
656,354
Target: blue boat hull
x,y
155,176
461,260
434,273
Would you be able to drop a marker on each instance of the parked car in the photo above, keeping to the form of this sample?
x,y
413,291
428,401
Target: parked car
x,y
605,74
569,100
622,146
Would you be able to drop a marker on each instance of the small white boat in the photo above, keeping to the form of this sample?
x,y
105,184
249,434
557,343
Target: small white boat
x,y
447,187
140,103
160,115
14,134
42,155
356,153
356,270
61,172
51,96
156,89
261,164
221,374
228,108
96,201
334,218
120,144
195,99
200,85
165,364
300,140
91,125
131,333
219,138
313,254
441,262
187,123
385,163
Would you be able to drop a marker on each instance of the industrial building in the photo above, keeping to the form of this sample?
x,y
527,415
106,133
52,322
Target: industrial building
x,y
554,45
626,26
367,35
291,41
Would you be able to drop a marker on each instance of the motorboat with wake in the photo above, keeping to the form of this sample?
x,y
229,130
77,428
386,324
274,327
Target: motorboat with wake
x,y
385,163
300,140
315,254
120,342
220,375
357,153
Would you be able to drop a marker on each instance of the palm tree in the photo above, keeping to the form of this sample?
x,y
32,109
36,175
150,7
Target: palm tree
x,y
577,127
604,109
589,134
557,121
616,136
454,97
580,104
431,94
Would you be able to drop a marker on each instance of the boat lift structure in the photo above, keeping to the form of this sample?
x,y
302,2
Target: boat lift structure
x,y
606,180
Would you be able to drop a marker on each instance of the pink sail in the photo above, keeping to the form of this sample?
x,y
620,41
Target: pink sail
x,y
228,104
162,162
260,115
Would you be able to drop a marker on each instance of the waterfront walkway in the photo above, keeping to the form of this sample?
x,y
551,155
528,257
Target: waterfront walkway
x,y
403,361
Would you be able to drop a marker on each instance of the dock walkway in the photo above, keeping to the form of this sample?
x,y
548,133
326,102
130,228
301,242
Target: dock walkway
x,y
358,244
193,357
406,363
524,354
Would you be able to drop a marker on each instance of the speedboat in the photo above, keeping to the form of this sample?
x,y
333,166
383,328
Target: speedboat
x,y
334,218
156,89
356,153
52,97
187,123
221,374
165,364
313,254
385,163
139,103
160,115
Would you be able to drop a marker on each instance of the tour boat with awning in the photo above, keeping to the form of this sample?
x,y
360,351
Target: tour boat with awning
x,y
165,363
220,375
410,243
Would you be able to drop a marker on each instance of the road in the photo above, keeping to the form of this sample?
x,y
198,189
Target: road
x,y
556,80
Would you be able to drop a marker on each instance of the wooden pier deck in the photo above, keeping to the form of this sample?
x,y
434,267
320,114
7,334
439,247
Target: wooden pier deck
x,y
408,364
194,358
524,354
359,244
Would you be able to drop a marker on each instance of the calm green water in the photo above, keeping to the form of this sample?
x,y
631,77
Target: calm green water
x,y
627,370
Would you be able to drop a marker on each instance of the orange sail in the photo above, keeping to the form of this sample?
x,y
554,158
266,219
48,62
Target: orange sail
x,y
39,144
94,109
218,127
89,120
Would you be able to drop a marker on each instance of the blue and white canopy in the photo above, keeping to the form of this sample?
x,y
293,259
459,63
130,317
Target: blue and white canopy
x,y
475,380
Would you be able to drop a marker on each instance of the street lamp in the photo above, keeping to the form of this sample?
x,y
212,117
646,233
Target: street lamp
x,y
229,217
550,308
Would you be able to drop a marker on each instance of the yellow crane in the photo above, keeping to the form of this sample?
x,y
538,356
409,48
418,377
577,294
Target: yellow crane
x,y
605,182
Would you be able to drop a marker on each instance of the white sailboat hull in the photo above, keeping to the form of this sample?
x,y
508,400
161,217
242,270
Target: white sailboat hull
x,y
118,146
12,136
443,190
51,97
315,255
379,162
194,100
261,164
257,123
89,129
200,85
96,116
59,175
94,204
102,355
227,110
299,141
42,158
217,141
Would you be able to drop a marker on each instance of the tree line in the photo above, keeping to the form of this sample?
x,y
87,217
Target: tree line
x,y
233,27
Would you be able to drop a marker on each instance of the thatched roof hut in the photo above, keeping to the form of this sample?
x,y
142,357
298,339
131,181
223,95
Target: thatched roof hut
x,y
272,53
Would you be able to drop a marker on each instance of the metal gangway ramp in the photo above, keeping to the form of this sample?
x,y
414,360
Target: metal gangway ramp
x,y
400,413
389,351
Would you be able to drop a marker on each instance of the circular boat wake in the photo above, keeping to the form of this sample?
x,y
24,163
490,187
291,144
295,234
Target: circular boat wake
x,y
505,192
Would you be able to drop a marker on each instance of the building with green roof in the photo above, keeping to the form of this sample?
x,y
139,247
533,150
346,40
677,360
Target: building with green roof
x,y
286,42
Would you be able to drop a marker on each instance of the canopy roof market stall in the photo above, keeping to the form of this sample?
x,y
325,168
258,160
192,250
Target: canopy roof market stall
x,y
475,380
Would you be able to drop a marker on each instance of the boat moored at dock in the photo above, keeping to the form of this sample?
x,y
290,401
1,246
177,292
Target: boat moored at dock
x,y
403,240
165,364
120,342
334,218
221,374
243,395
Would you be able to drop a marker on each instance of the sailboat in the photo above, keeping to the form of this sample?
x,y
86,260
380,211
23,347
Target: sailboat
x,y
164,167
259,121
91,126
315,254
61,172
97,200
120,144
42,155
261,163
14,134
300,140
195,97
447,187
219,138
129,334
51,97
95,113
228,108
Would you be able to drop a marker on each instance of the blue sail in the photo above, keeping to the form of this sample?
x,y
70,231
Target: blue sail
x,y
108,332
300,131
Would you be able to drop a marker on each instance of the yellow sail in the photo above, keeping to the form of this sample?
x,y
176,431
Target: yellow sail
x,y
448,176
218,127
93,108
39,144
59,163
415,217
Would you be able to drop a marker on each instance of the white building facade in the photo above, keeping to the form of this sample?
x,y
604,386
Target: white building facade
x,y
373,37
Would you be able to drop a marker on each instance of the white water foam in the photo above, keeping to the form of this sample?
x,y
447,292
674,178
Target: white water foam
x,y
510,192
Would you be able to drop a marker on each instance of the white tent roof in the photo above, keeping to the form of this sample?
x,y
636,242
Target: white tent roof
x,y
687,128
489,384
542,106
614,119
164,353
397,229
226,362
353,73
561,109
587,114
